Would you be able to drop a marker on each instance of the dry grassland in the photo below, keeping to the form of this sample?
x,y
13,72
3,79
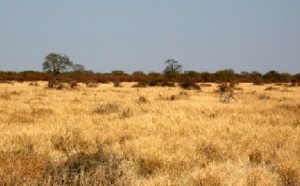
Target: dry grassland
x,y
148,136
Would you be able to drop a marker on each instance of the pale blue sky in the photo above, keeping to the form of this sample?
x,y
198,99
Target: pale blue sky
x,y
139,35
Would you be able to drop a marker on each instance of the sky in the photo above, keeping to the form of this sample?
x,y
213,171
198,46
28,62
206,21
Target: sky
x,y
140,35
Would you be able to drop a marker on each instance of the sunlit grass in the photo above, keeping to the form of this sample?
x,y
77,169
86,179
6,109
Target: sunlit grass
x,y
148,136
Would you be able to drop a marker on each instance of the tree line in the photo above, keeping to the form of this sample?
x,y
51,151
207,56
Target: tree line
x,y
58,67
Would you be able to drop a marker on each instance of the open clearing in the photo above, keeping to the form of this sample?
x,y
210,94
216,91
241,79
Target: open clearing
x,y
148,136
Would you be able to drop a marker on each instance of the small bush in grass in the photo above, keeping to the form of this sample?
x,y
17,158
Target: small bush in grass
x,y
263,97
117,83
289,173
107,108
259,176
190,84
271,88
142,100
126,113
86,169
255,157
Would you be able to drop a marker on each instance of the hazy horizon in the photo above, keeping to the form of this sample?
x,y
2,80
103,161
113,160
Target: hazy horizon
x,y
141,35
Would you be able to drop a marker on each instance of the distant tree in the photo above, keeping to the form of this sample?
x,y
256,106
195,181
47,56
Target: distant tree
x,y
225,75
256,78
57,63
172,67
138,73
118,72
272,76
78,68
205,76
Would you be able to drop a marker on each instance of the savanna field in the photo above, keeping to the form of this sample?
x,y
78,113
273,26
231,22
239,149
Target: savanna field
x,y
110,135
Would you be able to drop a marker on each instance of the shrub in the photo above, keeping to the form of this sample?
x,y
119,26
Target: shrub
x,y
107,108
142,100
117,83
263,97
189,84
259,176
289,173
271,88
255,157
126,113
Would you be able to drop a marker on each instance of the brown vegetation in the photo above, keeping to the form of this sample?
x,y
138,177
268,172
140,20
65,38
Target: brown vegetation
x,y
149,136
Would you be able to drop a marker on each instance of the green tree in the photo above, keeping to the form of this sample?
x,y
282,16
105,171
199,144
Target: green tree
x,y
172,69
57,63
225,75
172,66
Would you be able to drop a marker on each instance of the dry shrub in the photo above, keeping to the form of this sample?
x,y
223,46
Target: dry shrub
x,y
5,96
33,84
207,177
181,95
91,84
126,113
117,83
289,173
42,112
290,106
73,84
259,177
205,85
149,165
263,97
271,88
22,117
15,93
107,108
211,151
190,85
86,169
70,140
142,100
256,157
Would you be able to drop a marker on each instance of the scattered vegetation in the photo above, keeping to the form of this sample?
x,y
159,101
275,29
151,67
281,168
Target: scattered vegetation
x,y
148,136
107,108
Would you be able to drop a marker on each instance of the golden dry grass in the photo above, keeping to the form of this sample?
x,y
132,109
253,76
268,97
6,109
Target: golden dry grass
x,y
148,136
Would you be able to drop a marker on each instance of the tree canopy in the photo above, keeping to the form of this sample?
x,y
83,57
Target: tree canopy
x,y
173,67
57,63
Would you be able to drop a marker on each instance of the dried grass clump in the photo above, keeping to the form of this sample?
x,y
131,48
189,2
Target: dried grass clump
x,y
290,107
256,157
289,173
33,84
207,177
126,113
107,108
211,151
264,97
87,169
91,84
142,100
117,83
260,177
270,88
149,165
71,140
205,85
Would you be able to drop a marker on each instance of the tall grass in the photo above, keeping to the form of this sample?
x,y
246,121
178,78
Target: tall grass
x,y
114,136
